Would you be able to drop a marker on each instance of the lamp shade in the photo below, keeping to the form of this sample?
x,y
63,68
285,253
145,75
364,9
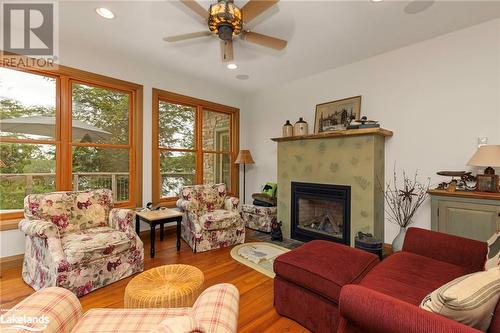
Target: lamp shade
x,y
486,156
244,157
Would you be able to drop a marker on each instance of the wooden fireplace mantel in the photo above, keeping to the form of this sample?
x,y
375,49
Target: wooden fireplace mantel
x,y
336,134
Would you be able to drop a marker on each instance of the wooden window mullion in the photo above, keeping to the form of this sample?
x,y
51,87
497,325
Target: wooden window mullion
x,y
199,144
65,165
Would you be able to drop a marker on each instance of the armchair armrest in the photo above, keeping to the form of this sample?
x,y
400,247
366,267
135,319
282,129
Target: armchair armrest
x,y
185,205
371,311
455,250
122,219
39,228
58,308
216,309
47,230
232,204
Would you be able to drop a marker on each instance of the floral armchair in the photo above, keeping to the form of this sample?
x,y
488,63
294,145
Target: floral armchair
x,y
211,218
78,241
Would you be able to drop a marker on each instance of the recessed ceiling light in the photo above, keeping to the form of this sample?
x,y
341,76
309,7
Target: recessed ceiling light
x,y
416,7
232,66
377,0
242,77
106,13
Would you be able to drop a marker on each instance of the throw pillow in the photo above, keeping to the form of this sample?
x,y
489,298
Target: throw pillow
x,y
469,299
493,256
270,189
179,324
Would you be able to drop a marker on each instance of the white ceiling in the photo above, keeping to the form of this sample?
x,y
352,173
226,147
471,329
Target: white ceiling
x,y
321,35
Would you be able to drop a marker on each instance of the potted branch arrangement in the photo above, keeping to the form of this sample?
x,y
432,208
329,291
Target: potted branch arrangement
x,y
402,201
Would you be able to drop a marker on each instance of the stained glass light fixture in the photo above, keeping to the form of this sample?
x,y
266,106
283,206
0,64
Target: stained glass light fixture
x,y
224,19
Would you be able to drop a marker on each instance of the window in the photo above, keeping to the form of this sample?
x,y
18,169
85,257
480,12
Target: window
x,y
67,130
194,142
28,136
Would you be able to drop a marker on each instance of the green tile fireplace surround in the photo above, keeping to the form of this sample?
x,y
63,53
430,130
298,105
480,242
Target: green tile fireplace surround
x,y
352,157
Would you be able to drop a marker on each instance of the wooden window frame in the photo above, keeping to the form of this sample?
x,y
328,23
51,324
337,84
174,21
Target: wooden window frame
x,y
65,77
199,105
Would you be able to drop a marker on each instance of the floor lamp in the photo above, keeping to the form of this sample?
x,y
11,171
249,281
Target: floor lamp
x,y
244,157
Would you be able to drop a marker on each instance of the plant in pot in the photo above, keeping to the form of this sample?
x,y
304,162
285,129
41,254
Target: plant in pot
x,y
402,201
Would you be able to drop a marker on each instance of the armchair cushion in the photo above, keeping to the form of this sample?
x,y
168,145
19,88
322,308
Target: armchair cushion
x,y
204,198
70,211
219,219
125,320
96,243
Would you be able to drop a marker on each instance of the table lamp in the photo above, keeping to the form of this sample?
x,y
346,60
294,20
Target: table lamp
x,y
487,156
244,157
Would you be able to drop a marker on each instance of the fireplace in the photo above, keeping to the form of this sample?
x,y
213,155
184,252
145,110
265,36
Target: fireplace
x,y
321,211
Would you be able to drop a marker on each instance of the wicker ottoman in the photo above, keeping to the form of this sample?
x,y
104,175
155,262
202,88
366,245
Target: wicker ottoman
x,y
257,217
169,286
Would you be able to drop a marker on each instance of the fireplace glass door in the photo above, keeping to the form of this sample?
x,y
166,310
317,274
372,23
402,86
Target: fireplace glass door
x,y
320,211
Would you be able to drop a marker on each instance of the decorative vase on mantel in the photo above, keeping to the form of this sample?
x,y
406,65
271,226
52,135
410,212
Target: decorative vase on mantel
x,y
397,243
287,129
300,128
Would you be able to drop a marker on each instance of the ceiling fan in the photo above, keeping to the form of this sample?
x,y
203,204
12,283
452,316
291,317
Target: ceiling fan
x,y
227,21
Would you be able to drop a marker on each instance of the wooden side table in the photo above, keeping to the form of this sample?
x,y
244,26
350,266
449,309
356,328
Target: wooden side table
x,y
159,217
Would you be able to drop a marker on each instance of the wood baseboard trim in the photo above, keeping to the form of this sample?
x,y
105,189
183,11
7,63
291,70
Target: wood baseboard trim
x,y
11,262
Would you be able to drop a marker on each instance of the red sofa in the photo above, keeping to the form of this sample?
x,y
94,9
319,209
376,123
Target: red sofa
x,y
386,300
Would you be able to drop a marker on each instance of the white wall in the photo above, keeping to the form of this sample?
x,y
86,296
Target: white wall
x,y
438,96
137,71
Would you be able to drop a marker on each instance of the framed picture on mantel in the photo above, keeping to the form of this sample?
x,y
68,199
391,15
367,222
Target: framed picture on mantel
x,y
336,115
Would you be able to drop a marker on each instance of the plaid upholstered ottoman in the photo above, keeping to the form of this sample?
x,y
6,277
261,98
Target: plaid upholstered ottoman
x,y
257,217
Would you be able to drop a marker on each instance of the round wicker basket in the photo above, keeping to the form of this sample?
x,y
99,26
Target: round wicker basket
x,y
169,286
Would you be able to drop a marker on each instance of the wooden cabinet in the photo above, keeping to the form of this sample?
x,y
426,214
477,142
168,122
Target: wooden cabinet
x,y
467,214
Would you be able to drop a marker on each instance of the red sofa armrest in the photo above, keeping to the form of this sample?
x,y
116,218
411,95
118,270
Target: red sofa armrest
x,y
366,310
456,250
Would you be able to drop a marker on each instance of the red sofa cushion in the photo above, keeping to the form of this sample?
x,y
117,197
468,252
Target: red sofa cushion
x,y
324,267
410,277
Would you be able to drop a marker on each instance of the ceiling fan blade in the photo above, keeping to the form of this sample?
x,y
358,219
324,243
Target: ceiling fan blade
x,y
264,40
254,8
191,35
196,7
226,48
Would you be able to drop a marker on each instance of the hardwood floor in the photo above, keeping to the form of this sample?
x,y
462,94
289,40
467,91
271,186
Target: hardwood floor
x,y
257,313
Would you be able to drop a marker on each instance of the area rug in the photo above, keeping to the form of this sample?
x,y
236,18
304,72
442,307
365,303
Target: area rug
x,y
258,255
